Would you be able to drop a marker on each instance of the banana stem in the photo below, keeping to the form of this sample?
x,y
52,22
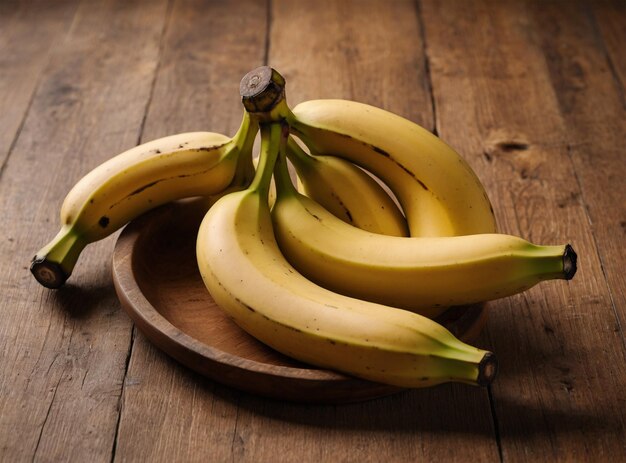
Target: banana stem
x,y
552,262
54,263
273,141
247,131
300,159
481,372
284,185
244,140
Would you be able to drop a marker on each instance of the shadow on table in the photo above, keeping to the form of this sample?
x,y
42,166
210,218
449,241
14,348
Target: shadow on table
x,y
446,408
80,301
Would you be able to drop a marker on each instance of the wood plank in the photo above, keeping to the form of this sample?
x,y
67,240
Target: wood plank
x,y
560,392
168,412
610,21
590,94
438,424
64,352
337,50
597,122
197,87
24,55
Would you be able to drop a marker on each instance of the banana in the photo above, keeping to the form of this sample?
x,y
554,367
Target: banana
x,y
347,192
125,186
438,191
423,274
246,274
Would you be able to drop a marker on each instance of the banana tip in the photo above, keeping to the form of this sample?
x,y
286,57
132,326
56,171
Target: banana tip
x,y
49,274
487,369
569,262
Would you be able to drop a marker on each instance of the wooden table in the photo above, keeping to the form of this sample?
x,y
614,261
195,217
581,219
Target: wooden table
x,y
532,94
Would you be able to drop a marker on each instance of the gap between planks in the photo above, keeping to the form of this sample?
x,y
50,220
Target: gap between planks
x,y
429,82
435,129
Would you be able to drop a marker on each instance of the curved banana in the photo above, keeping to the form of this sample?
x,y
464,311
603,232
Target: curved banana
x,y
438,191
248,277
347,192
420,274
125,186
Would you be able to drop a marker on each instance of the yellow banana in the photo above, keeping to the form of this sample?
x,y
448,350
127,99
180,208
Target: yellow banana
x,y
438,191
248,277
423,274
347,192
154,173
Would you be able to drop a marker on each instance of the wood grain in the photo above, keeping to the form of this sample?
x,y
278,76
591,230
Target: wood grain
x,y
64,352
24,56
364,50
609,25
586,71
169,414
559,344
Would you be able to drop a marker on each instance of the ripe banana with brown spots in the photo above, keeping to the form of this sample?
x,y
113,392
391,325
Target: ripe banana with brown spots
x,y
137,180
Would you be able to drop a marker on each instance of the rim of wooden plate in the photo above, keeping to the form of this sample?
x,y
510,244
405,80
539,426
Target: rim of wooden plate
x,y
311,385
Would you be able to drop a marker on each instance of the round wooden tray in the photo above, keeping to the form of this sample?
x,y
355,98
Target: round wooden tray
x,y
159,286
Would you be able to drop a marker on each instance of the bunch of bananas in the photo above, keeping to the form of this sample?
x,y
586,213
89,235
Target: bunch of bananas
x,y
331,271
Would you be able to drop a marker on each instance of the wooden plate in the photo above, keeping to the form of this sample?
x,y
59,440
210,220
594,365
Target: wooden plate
x,y
159,286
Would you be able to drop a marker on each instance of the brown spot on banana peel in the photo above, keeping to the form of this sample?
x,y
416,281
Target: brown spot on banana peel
x,y
151,184
104,221
251,309
316,217
379,151
341,203
145,187
401,166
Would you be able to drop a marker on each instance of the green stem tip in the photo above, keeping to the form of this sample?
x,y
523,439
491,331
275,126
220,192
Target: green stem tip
x,y
53,264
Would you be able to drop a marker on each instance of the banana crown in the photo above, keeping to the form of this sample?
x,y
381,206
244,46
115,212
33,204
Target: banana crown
x,y
273,144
